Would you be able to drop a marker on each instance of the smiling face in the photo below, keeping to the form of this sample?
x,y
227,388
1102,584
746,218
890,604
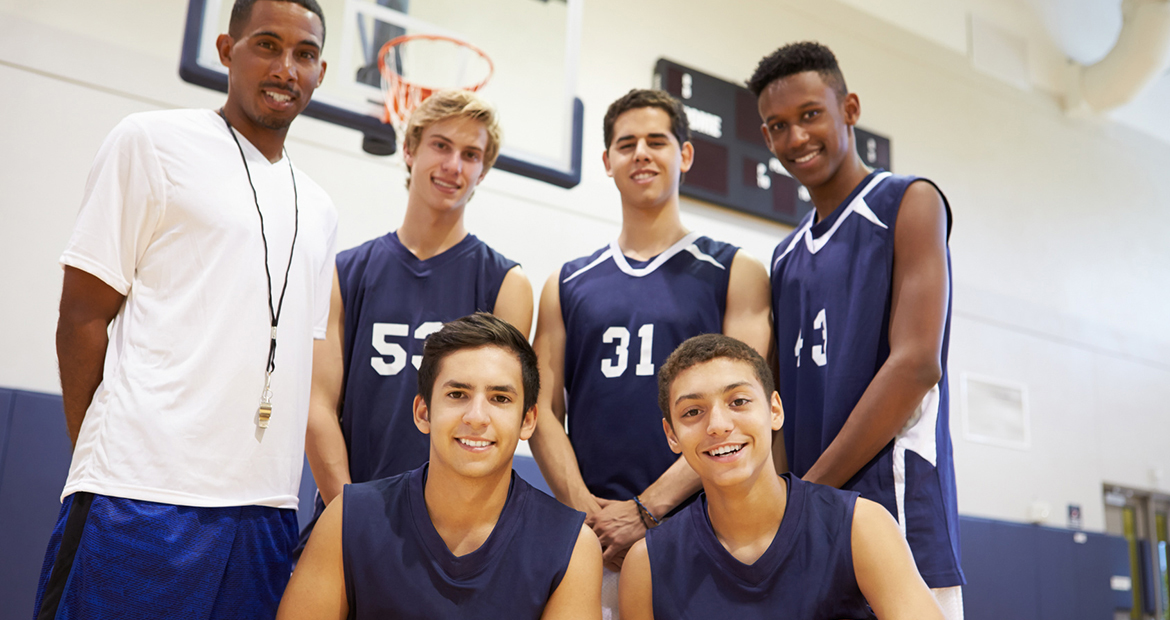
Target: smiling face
x,y
645,159
808,126
274,65
476,414
448,163
723,421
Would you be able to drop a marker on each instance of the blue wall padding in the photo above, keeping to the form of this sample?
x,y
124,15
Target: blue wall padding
x,y
1039,573
1014,571
1000,563
6,398
33,472
526,467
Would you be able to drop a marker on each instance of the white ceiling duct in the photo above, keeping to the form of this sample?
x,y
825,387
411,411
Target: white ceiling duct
x,y
1137,60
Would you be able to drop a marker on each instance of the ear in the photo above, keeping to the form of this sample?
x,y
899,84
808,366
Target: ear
x,y
767,138
670,437
528,425
422,417
851,109
688,156
223,44
321,77
777,412
605,160
407,156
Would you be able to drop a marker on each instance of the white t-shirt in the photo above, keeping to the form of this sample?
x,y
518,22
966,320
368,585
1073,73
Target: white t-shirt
x,y
169,221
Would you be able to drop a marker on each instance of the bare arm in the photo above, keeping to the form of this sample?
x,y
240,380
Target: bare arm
x,y
87,307
635,590
550,444
317,587
917,319
885,568
324,443
578,596
514,301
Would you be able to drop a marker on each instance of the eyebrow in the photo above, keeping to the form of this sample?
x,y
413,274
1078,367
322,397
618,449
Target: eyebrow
x,y
269,33
658,136
459,385
470,147
726,389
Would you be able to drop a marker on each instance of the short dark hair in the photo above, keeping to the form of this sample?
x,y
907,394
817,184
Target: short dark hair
x,y
471,332
704,348
648,98
242,12
797,58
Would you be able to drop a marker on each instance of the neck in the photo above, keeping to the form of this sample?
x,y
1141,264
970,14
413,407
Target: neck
x,y
429,232
464,510
746,517
270,142
648,231
829,195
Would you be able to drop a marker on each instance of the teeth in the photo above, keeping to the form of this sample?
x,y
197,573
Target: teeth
x,y
807,157
643,175
279,96
720,451
446,184
475,444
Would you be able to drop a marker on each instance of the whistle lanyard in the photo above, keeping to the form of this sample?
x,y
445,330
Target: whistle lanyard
x,y
264,413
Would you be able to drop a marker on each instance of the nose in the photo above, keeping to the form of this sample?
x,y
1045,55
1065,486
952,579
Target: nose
x,y
476,415
284,66
797,136
641,150
719,421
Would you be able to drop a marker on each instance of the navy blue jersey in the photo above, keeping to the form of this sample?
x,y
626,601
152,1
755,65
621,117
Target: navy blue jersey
x,y
623,318
831,292
392,302
806,573
397,565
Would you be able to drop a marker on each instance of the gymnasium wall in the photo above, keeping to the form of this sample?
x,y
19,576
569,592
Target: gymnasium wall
x,y
1062,272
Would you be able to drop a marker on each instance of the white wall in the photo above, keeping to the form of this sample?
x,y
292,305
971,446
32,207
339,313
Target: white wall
x,y
1062,274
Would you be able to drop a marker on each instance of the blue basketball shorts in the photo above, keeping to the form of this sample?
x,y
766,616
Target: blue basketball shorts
x,y
110,557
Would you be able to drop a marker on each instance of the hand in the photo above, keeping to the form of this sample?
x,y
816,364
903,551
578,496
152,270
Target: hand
x,y
617,525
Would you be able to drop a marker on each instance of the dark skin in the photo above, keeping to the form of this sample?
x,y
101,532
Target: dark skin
x,y
808,125
273,67
87,307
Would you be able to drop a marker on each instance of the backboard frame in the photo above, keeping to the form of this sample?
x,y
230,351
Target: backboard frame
x,y
381,136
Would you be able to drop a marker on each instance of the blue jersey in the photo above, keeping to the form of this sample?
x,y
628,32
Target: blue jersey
x,y
623,318
806,573
831,292
392,302
397,565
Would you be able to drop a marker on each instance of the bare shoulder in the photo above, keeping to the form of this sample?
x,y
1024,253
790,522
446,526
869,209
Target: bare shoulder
x,y
923,211
635,591
579,594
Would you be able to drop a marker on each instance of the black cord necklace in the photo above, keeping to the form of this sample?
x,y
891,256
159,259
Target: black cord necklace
x,y
265,410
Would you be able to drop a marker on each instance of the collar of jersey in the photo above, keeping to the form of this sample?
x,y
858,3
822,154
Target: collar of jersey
x,y
686,243
856,205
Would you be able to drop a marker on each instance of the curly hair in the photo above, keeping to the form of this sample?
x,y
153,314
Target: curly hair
x,y
797,58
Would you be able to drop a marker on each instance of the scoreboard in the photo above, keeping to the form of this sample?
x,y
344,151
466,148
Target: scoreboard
x,y
733,166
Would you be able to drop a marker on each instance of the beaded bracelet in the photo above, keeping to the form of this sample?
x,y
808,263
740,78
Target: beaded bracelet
x,y
644,512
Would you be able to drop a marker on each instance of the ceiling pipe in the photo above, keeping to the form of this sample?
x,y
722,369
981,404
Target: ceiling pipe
x,y
1137,60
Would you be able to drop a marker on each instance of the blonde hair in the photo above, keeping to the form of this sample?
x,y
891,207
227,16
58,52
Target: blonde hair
x,y
447,104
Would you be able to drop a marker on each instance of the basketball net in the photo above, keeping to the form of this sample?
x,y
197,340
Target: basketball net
x,y
416,66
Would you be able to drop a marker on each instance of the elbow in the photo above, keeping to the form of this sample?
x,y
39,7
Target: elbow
x,y
927,371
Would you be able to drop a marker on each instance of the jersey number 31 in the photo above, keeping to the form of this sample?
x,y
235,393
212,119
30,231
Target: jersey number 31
x,y
613,368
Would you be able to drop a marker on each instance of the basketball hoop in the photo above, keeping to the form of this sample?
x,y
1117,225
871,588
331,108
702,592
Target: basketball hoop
x,y
440,62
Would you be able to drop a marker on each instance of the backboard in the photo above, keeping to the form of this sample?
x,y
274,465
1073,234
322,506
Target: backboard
x,y
533,44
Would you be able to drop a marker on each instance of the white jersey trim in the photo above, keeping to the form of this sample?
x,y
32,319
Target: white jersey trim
x,y
614,251
918,436
857,205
